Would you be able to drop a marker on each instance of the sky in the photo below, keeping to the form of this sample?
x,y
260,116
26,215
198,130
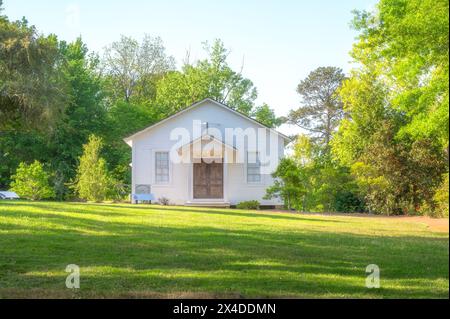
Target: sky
x,y
278,42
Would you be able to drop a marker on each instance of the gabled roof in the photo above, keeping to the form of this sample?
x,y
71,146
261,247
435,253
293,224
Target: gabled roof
x,y
193,106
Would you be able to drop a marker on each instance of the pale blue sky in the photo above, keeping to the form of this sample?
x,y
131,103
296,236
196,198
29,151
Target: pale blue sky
x,y
279,41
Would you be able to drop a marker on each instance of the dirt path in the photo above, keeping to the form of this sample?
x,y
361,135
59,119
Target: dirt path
x,y
434,224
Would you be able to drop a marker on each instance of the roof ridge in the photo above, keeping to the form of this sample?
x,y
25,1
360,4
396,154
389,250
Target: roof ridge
x,y
188,108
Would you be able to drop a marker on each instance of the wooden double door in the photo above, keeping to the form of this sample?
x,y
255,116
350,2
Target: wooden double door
x,y
208,180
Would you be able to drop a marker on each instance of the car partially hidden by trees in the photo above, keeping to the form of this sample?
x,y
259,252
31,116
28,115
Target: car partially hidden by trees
x,y
8,195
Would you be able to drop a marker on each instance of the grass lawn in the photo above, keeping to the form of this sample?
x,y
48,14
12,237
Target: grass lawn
x,y
154,251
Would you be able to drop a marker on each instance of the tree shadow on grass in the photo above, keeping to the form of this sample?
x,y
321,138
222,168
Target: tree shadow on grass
x,y
252,262
77,208
113,210
256,214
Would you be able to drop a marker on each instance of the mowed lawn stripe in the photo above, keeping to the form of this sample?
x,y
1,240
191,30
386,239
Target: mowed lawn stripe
x,y
161,251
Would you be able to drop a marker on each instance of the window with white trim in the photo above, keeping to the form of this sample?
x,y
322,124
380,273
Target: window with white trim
x,y
161,167
253,168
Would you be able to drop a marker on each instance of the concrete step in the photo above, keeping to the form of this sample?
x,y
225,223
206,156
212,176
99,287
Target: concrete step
x,y
207,204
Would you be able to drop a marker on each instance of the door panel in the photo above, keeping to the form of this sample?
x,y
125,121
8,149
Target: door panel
x,y
200,180
216,180
208,180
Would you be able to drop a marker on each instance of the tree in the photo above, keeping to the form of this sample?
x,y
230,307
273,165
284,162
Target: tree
x,y
32,93
330,186
440,199
288,184
93,182
304,152
17,147
211,77
406,44
132,67
321,109
124,119
84,115
395,175
31,181
363,96
395,137
265,115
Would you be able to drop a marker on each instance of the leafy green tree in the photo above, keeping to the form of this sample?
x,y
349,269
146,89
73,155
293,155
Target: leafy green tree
x,y
406,44
304,150
330,185
321,109
32,91
426,168
93,182
395,176
289,184
333,189
132,68
363,96
265,115
123,120
17,147
85,114
32,182
395,137
440,199
211,78
33,95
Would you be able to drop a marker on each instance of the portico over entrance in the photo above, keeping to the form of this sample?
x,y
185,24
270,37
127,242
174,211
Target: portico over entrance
x,y
208,158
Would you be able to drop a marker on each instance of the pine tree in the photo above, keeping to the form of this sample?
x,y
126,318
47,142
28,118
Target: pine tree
x,y
93,181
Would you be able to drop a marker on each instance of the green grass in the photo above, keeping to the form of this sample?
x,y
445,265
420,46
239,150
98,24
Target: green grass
x,y
153,251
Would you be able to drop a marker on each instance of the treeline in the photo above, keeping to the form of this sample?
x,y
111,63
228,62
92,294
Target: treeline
x,y
54,95
375,140
378,140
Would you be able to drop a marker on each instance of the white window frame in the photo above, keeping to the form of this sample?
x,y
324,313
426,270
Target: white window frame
x,y
169,168
247,167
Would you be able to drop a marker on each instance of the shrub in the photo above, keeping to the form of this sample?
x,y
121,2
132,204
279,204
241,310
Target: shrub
x,y
31,181
288,184
348,202
441,199
164,201
119,192
93,182
252,204
377,191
